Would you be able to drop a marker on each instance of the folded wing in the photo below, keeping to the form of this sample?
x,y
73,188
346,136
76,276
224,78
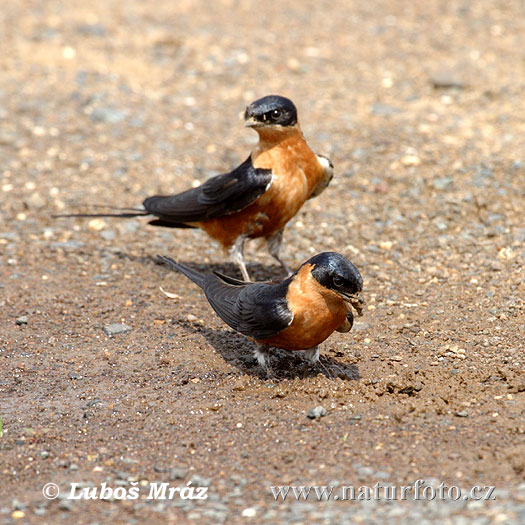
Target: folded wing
x,y
220,195
257,310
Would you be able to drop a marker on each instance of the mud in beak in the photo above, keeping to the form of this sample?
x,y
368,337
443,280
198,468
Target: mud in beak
x,y
356,302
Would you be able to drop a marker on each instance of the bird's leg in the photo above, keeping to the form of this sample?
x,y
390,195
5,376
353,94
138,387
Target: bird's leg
x,y
237,256
312,356
263,356
274,247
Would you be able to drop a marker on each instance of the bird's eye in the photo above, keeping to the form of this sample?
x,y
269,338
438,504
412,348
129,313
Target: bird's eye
x,y
276,113
338,281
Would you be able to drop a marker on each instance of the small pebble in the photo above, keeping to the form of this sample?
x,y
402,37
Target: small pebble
x,y
411,160
116,328
365,471
384,110
442,183
316,412
65,504
108,115
35,201
177,473
199,481
462,413
108,235
67,244
21,320
446,78
92,29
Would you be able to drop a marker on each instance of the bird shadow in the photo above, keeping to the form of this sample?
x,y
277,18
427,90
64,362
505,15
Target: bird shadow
x,y
237,351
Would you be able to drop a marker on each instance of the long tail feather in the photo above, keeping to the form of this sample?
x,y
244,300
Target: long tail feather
x,y
123,214
193,275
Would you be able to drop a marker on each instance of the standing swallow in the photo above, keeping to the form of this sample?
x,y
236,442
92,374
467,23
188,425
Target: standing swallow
x,y
298,313
256,199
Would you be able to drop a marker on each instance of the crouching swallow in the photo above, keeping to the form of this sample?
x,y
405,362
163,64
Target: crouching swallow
x,y
298,313
256,199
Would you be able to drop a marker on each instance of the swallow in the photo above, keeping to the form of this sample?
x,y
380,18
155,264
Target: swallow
x,y
255,200
297,313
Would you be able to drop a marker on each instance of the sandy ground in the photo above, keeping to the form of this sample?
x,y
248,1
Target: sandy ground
x,y
419,105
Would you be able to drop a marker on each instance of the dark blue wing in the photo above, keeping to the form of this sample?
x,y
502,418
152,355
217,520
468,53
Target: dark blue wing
x,y
258,310
220,195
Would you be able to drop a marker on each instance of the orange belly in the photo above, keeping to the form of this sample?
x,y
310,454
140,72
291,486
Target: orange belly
x,y
317,311
296,171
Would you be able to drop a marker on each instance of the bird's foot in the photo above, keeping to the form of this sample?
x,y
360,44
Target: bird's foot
x,y
313,357
328,372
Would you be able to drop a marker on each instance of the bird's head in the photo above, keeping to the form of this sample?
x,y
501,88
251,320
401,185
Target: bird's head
x,y
271,113
335,272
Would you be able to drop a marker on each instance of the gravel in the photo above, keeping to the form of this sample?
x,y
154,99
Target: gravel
x,y
420,110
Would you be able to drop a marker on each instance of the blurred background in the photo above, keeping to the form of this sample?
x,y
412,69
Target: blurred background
x,y
117,92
